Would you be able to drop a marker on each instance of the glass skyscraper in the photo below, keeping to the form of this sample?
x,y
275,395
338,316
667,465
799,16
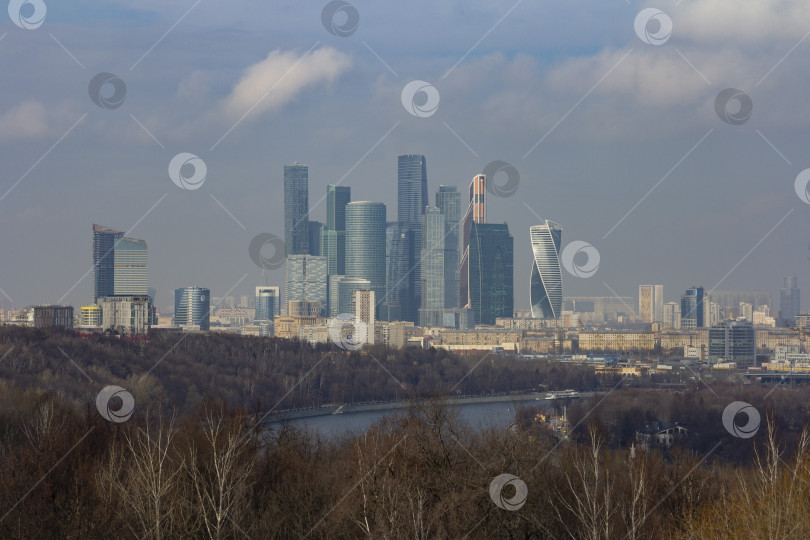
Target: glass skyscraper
x,y
692,308
120,264
192,306
333,235
476,213
412,198
433,263
365,244
396,269
314,229
789,300
306,280
267,303
104,239
448,200
546,277
296,209
491,272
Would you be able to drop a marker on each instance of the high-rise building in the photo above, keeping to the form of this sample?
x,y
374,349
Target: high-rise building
x,y
340,293
306,279
192,307
396,269
491,272
546,276
650,303
120,264
363,306
104,239
314,229
412,198
733,341
433,267
296,209
365,244
658,303
268,303
333,234
672,315
692,308
448,200
789,300
337,197
476,213
746,311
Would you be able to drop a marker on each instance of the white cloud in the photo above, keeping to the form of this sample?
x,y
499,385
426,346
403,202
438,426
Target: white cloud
x,y
281,77
25,121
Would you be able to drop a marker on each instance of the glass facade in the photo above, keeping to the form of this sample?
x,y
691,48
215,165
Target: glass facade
x,y
396,268
412,198
192,306
337,197
296,209
789,301
306,280
733,341
433,263
692,308
333,235
476,213
104,239
314,229
491,272
365,243
546,277
131,267
268,303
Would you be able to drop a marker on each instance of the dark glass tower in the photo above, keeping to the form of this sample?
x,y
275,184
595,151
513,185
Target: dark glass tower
x,y
692,308
491,272
448,200
104,239
365,244
333,235
412,198
192,307
296,209
789,301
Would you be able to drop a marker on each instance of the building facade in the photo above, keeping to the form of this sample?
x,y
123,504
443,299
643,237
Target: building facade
x,y
546,292
692,308
268,303
448,201
476,213
192,307
125,314
733,341
306,279
789,300
412,198
365,244
296,209
490,272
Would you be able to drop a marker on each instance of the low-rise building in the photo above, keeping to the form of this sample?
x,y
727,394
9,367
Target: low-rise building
x,y
53,317
617,341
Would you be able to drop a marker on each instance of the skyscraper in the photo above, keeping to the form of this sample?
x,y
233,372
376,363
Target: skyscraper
x,y
789,300
296,209
672,315
658,303
651,303
396,269
546,276
412,198
448,200
692,309
433,268
365,244
337,197
363,307
192,306
306,280
314,229
491,272
120,264
268,303
476,213
333,235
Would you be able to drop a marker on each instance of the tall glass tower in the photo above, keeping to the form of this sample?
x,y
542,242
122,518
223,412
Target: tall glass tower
x,y
491,272
365,244
120,264
692,308
476,213
412,198
789,300
546,278
296,209
448,201
104,239
433,283
396,268
192,306
267,303
333,235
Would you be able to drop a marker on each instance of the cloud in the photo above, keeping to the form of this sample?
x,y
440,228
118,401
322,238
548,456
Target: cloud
x,y
281,77
25,121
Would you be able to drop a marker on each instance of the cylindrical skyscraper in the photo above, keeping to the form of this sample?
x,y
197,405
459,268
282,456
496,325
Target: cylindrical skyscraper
x,y
192,307
365,244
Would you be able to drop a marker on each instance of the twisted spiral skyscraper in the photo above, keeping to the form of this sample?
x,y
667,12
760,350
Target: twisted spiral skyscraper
x,y
546,280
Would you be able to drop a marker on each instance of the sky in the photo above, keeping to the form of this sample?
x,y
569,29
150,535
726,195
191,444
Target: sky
x,y
607,112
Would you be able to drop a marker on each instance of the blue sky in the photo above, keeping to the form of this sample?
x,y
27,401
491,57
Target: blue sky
x,y
626,128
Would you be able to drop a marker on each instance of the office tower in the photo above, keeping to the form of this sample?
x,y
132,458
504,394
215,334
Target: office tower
x,y
296,209
365,244
363,306
120,264
104,239
412,198
433,271
268,303
733,341
306,279
448,200
650,303
314,229
333,234
672,315
546,276
692,308
789,300
192,307
396,270
491,272
476,213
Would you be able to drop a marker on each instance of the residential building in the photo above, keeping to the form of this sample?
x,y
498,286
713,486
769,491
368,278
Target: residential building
x,y
125,314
